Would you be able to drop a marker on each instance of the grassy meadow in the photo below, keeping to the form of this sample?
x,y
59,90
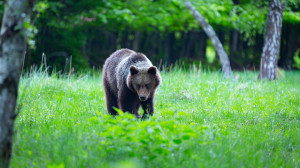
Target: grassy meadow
x,y
200,120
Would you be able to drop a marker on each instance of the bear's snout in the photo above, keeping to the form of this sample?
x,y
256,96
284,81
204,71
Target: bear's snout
x,y
143,98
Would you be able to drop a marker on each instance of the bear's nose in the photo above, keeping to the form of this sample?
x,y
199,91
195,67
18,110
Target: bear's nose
x,y
143,98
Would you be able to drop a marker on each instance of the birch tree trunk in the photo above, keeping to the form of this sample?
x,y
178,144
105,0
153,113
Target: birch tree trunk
x,y
213,37
12,51
269,58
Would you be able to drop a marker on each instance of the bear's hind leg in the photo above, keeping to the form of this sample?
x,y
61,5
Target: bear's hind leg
x,y
111,102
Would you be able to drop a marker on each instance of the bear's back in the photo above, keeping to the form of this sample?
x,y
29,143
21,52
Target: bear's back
x,y
115,58
116,67
110,68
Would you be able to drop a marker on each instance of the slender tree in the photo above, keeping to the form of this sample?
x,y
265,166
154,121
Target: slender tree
x,y
269,57
213,37
13,41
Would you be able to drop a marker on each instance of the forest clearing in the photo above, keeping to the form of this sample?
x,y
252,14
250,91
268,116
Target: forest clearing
x,y
201,120
218,80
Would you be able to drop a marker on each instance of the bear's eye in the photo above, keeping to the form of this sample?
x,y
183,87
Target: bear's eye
x,y
138,86
147,86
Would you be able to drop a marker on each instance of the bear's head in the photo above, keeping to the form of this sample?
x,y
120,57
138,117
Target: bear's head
x,y
143,81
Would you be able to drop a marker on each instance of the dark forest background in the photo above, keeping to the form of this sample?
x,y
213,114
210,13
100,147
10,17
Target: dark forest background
x,y
86,32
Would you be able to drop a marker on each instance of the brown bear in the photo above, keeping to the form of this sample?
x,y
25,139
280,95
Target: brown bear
x,y
130,80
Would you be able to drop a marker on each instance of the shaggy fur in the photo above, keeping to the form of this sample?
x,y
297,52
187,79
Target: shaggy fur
x,y
130,80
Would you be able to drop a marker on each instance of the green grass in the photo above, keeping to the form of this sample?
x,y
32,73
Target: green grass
x,y
201,120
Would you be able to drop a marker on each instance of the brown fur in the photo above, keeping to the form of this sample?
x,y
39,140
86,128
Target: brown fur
x,y
130,80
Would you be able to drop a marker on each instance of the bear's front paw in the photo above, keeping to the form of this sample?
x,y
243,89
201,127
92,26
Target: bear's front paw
x,y
145,116
138,115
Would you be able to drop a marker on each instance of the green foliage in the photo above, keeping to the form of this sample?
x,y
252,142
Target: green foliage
x,y
70,26
1,10
201,120
297,59
292,17
152,15
210,53
40,7
170,15
30,31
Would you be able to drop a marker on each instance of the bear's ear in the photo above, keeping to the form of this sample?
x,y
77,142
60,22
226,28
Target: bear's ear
x,y
152,70
133,70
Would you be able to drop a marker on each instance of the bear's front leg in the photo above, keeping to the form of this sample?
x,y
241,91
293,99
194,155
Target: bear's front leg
x,y
129,102
148,106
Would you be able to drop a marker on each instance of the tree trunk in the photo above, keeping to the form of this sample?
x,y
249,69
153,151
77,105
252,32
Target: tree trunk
x,y
136,41
12,51
269,58
202,45
234,42
288,46
213,37
168,48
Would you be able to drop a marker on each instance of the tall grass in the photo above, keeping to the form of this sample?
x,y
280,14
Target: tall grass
x,y
200,120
